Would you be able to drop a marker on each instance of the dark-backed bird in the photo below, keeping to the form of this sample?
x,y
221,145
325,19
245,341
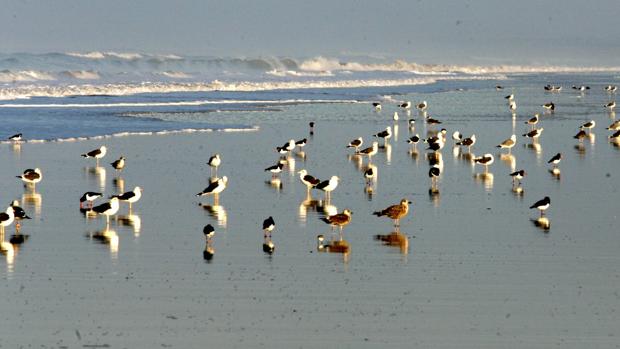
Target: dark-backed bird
x,y
328,186
216,186
615,135
308,180
468,142
385,134
301,143
499,87
208,232
90,197
542,205
457,136
413,140
6,219
422,106
508,143
588,125
370,151
532,121
31,176
510,97
432,121
580,135
377,106
395,212
97,153
356,143
485,160
130,197
555,160
370,174
119,164
549,106
268,225
107,209
19,214
611,105
610,88
311,125
518,176
276,169
534,134
581,88
214,162
614,126
405,105
16,137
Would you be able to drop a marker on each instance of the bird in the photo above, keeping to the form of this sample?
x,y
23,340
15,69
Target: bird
x,y
413,140
328,186
214,162
510,97
581,88
268,225
19,214
468,142
308,180
208,232
485,160
276,169
411,123
457,136
97,153
508,143
555,160
588,125
356,143
534,134
385,134
301,143
532,121
614,126
395,212
31,176
615,135
395,116
6,219
108,209
311,125
339,246
89,197
422,106
611,105
517,176
339,219
580,135
377,106
119,164
610,88
435,144
370,173
16,138
512,105
433,174
432,121
130,197
499,87
215,187
542,205
287,147
549,106
370,151
405,105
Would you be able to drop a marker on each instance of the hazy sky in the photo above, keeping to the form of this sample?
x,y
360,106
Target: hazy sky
x,y
484,31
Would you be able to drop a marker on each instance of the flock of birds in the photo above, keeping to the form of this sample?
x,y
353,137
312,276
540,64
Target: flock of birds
x,y
435,142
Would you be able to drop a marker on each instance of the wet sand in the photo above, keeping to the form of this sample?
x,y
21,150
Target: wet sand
x,y
477,272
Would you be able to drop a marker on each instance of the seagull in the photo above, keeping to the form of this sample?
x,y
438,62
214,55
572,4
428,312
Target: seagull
x,y
588,125
215,187
405,105
108,209
268,225
19,215
287,147
89,197
433,174
485,160
517,176
395,212
510,97
328,186
31,176
499,87
468,142
615,135
301,143
413,140
542,205
370,151
119,164
356,143
214,161
6,219
377,106
508,143
534,134
555,160
395,116
97,154
549,106
276,169
533,121
369,174
385,134
130,196
512,105
422,106
611,88
457,136
614,126
339,220
435,144
308,180
611,105
16,138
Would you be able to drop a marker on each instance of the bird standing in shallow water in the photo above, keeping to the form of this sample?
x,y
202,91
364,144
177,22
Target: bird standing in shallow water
x,y
119,164
97,154
268,226
542,205
19,214
395,212
31,177
339,220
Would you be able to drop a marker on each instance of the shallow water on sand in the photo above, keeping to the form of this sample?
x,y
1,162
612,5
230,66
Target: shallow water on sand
x,y
477,272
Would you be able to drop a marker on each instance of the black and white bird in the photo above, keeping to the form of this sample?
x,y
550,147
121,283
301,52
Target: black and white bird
x,y
405,105
457,136
89,197
433,174
542,205
215,187
276,169
6,218
532,121
16,138
328,186
549,106
510,97
611,105
119,164
301,143
308,180
555,160
615,136
268,225
370,174
432,121
508,143
611,88
287,147
468,142
130,197
19,214
414,140
208,231
311,125
435,144
97,153
614,126
356,143
107,209
512,105
581,88
370,151
422,106
534,134
377,106
31,176
214,162
517,176
385,134
588,125
486,160
499,87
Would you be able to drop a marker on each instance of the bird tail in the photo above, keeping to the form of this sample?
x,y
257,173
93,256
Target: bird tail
x,y
325,220
498,146
114,196
533,206
26,217
378,213
18,177
200,194
84,155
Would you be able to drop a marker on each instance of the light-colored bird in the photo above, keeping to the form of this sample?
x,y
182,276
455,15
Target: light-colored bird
x,y
395,212
508,143
96,154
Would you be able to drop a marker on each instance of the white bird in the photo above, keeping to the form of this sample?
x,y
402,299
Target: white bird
x,y
108,209
97,153
328,186
216,186
508,143
485,160
130,196
611,105
214,161
31,176
395,117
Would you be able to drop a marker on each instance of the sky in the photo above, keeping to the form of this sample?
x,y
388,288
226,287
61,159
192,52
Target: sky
x,y
426,31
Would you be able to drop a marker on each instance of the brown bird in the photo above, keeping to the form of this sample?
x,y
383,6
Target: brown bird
x,y
395,212
338,246
339,220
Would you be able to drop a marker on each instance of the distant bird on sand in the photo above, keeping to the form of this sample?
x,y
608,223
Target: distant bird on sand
x,y
216,186
356,143
119,164
395,212
97,153
31,176
508,143
542,205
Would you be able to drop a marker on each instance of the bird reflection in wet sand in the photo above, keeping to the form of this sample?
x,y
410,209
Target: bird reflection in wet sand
x,y
486,179
509,160
370,175
97,174
396,239
16,148
542,223
218,212
307,204
8,250
333,246
132,221
208,231
32,202
274,183
268,246
119,184
107,237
